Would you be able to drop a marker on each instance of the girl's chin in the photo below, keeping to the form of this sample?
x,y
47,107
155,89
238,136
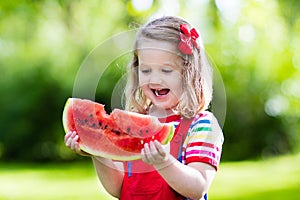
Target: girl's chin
x,y
164,106
161,111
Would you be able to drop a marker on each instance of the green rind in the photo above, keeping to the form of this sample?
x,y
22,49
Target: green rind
x,y
170,135
110,156
65,114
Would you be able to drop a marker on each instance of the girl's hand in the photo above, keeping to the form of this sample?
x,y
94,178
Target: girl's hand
x,y
154,153
71,141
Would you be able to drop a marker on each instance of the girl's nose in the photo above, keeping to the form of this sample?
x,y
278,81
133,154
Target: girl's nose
x,y
155,79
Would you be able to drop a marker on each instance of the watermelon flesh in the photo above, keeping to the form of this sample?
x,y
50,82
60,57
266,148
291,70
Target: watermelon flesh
x,y
119,136
136,125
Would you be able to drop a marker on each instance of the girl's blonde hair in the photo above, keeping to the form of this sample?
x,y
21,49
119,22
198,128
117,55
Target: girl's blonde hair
x,y
197,71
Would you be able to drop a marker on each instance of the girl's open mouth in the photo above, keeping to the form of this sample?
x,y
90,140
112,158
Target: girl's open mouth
x,y
160,92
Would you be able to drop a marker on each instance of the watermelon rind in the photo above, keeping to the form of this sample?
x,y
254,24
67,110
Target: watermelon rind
x,y
69,102
110,156
170,135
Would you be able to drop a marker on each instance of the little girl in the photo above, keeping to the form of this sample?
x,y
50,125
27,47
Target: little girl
x,y
169,78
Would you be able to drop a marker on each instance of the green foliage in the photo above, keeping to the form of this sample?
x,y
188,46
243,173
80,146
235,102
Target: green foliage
x,y
260,70
29,116
43,44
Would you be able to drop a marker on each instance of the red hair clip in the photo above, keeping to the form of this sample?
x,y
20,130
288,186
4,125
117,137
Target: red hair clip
x,y
187,39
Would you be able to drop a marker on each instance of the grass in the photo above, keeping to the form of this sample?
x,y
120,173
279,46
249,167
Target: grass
x,y
277,178
50,181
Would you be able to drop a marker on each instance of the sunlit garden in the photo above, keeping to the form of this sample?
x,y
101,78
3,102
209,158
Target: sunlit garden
x,y
254,46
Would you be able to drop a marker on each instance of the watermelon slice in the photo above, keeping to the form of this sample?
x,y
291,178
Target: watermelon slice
x,y
119,136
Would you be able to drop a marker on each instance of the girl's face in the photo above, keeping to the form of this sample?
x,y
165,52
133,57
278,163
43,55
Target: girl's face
x,y
160,77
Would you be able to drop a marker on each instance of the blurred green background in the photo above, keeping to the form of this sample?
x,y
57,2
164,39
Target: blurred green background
x,y
255,46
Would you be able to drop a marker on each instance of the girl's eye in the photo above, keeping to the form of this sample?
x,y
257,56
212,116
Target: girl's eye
x,y
145,71
166,70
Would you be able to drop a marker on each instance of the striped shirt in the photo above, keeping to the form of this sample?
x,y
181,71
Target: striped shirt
x,y
204,140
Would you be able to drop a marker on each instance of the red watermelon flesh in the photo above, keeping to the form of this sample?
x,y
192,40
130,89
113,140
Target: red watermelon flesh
x,y
106,135
136,125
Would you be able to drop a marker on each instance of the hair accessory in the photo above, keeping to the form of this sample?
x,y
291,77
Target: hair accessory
x,y
188,39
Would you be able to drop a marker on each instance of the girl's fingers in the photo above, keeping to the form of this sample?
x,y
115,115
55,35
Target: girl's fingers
x,y
147,154
160,149
68,142
154,152
70,135
146,151
76,137
144,156
70,139
73,144
76,145
67,136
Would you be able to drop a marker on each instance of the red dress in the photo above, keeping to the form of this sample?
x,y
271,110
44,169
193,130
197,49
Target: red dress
x,y
143,182
195,140
147,186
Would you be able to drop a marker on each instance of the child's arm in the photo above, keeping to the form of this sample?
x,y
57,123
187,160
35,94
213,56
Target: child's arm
x,y
192,180
109,173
